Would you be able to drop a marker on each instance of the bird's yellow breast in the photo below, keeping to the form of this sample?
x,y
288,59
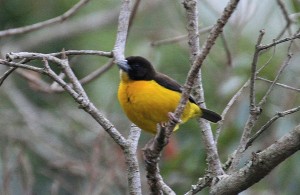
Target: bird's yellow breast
x,y
146,103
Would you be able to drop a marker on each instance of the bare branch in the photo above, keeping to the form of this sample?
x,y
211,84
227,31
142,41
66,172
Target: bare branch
x,y
201,184
41,85
133,174
284,12
73,79
286,17
214,164
43,24
84,52
227,50
78,94
179,38
19,65
133,13
228,106
97,73
253,72
254,110
279,84
283,66
260,165
125,19
152,152
270,122
264,47
65,30
193,74
123,25
70,28
213,35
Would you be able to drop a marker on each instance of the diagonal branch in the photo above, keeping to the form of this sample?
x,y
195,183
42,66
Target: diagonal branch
x,y
279,84
270,122
285,14
210,41
179,38
29,28
260,165
256,109
194,71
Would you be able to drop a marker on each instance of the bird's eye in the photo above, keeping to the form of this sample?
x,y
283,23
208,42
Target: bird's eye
x,y
136,65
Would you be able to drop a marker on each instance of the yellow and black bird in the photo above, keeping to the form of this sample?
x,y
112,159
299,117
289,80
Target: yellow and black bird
x,y
147,96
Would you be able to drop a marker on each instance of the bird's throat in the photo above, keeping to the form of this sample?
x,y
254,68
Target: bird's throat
x,y
124,76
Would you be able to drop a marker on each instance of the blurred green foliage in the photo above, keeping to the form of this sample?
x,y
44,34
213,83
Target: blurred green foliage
x,y
65,165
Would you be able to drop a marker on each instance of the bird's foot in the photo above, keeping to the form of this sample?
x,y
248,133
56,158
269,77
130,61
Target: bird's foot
x,y
173,118
163,124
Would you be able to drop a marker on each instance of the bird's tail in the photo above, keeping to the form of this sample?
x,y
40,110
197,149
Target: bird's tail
x,y
210,115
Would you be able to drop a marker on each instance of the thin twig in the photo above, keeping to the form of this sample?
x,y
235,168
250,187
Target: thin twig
x,y
286,17
260,165
280,71
270,89
88,78
264,47
78,95
43,24
38,83
25,66
228,106
97,73
133,13
84,52
254,109
279,84
6,74
179,38
236,96
227,50
269,123
50,89
253,72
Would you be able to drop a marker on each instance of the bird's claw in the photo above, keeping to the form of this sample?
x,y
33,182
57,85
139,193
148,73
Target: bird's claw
x,y
173,118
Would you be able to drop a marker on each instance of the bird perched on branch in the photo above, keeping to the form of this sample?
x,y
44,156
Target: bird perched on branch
x,y
148,97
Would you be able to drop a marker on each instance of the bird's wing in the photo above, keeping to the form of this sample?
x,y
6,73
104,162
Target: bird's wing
x,y
170,83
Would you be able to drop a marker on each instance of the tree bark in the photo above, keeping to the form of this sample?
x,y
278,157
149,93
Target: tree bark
x,y
260,165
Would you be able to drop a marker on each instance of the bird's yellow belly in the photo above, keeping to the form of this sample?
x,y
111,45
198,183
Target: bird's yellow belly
x,y
146,103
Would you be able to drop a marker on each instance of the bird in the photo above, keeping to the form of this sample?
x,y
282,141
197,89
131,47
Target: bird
x,y
148,97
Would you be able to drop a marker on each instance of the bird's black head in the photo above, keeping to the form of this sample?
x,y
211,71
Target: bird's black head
x,y
138,68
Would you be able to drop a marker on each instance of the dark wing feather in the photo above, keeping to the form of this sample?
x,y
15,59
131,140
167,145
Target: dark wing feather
x,y
169,83
210,115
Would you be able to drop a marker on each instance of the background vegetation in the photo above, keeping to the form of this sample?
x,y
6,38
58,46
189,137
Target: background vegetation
x,y
48,146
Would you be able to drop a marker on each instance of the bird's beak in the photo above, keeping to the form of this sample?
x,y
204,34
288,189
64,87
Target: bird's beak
x,y
123,65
